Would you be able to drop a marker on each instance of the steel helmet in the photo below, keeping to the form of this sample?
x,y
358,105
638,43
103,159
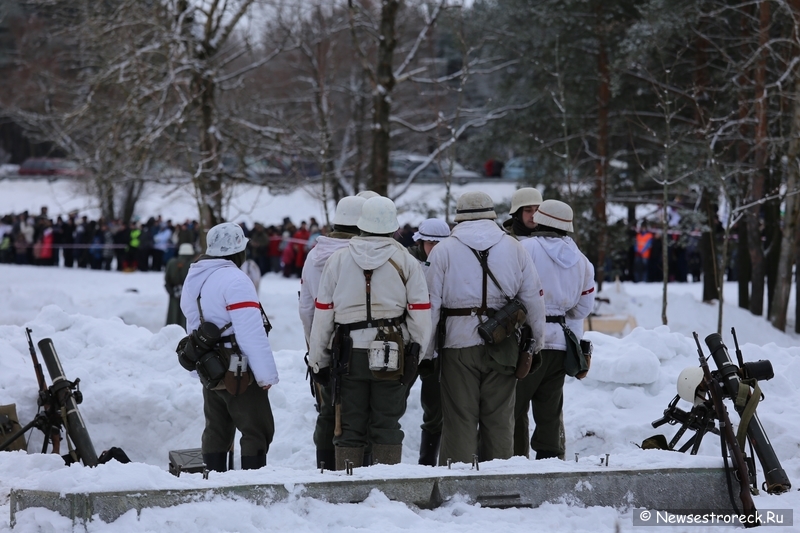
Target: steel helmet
x,y
378,216
225,239
474,205
524,196
432,229
689,381
554,214
348,210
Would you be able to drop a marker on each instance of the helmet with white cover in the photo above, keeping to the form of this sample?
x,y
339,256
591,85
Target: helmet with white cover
x,y
554,214
225,239
348,210
432,229
378,216
524,197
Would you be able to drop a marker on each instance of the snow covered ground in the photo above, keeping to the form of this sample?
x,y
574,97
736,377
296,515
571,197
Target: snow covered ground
x,y
107,330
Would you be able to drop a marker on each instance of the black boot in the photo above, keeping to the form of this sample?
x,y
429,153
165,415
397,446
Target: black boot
x,y
367,458
429,448
217,461
328,457
546,455
254,462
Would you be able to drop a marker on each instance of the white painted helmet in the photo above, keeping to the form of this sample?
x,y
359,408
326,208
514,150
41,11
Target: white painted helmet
x,y
367,194
689,381
378,216
348,210
186,249
225,239
523,197
554,214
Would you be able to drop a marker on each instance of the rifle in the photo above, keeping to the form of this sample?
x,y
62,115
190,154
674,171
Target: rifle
x,y
341,348
728,439
51,424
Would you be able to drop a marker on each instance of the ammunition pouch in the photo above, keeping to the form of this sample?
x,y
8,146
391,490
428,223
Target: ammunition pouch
x,y
203,350
575,362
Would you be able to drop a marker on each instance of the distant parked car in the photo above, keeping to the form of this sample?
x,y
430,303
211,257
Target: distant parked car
x,y
401,165
50,166
519,168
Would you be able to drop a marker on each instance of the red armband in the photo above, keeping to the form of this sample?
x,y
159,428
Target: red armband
x,y
319,305
242,305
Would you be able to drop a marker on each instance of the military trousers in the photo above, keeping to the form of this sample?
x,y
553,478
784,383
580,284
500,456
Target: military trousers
x,y
430,396
250,413
544,391
326,419
477,406
371,408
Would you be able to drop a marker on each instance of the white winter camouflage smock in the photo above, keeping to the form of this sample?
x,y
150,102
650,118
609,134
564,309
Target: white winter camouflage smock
x,y
568,280
312,273
228,295
457,281
341,297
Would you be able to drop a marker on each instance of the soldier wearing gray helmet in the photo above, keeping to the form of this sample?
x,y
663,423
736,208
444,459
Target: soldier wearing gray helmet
x,y
524,203
569,278
477,378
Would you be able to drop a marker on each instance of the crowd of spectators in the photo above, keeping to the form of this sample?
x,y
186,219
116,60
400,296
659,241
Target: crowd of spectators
x,y
74,240
71,241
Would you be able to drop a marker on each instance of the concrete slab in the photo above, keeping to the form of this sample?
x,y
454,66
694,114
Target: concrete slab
x,y
674,488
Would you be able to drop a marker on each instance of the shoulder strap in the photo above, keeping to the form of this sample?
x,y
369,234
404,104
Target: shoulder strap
x,y
200,309
483,259
368,285
399,270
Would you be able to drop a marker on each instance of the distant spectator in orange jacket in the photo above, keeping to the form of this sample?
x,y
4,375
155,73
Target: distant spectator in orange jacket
x,y
643,248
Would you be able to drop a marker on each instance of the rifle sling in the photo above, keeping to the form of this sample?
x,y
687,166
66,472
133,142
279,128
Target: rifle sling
x,y
749,408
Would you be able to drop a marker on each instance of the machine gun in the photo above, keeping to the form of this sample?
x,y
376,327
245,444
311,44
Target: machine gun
x,y
700,420
58,407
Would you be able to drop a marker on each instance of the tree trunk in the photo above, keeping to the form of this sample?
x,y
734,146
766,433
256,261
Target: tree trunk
x,y
209,181
604,97
788,252
742,148
708,252
379,164
757,182
743,264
